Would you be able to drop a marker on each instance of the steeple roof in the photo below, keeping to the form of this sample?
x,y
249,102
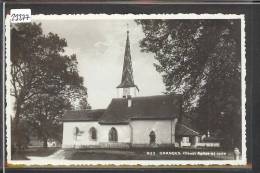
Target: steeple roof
x,y
127,74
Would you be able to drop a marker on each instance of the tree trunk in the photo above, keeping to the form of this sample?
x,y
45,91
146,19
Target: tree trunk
x,y
45,143
15,133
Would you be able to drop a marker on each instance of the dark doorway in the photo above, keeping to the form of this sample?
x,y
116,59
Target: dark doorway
x,y
113,135
152,137
93,133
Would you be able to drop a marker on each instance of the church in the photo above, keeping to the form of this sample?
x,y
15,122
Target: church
x,y
129,121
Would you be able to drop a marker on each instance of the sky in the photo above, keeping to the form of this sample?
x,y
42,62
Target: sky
x,y
99,46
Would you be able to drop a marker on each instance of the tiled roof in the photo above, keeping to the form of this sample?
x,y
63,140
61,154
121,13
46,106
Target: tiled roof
x,y
149,107
83,115
160,107
183,130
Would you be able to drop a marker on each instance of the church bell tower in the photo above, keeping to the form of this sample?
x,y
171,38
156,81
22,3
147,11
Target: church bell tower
x,y
127,87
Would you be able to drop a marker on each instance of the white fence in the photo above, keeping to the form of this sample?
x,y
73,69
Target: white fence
x,y
208,144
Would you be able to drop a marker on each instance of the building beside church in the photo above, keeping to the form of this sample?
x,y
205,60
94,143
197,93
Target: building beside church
x,y
129,121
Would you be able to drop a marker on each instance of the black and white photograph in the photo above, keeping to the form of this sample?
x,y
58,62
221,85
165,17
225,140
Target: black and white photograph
x,y
116,89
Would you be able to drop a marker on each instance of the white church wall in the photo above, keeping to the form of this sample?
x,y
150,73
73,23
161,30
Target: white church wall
x,y
162,129
123,132
84,138
136,133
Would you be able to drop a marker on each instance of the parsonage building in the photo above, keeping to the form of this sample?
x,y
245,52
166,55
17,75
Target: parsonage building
x,y
129,121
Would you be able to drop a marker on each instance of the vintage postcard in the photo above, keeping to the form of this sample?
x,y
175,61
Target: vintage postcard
x,y
147,90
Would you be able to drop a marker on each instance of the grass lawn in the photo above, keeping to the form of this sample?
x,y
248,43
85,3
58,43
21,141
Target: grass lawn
x,y
127,154
35,151
106,154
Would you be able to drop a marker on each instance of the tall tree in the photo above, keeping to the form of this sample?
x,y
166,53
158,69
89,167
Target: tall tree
x,y
201,60
44,113
40,76
78,97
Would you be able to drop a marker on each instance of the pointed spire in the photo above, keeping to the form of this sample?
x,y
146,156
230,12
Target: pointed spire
x,y
127,80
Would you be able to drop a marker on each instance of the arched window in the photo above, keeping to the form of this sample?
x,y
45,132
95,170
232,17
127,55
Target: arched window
x,y
152,137
93,133
113,135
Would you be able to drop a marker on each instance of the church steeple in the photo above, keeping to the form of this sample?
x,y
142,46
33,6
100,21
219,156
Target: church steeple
x,y
127,80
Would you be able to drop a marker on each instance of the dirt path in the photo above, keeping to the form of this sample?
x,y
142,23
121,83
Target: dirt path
x,y
58,155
